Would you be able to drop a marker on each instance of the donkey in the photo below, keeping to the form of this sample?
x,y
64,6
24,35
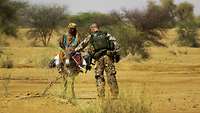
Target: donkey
x,y
73,65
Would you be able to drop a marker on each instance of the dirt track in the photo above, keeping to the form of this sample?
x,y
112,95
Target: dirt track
x,y
171,88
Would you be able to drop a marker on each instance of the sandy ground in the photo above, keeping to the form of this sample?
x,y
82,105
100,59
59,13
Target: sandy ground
x,y
171,88
170,79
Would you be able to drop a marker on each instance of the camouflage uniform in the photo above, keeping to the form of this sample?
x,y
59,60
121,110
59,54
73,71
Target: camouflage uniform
x,y
104,63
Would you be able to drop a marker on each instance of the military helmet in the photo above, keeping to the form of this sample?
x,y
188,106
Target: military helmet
x,y
94,25
72,25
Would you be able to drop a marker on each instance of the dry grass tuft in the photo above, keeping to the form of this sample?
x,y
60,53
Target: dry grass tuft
x,y
6,84
6,63
125,104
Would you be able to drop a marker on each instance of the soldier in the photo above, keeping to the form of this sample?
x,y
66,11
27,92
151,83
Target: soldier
x,y
104,50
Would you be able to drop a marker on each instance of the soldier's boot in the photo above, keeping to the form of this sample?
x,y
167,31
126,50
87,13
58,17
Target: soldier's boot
x,y
100,82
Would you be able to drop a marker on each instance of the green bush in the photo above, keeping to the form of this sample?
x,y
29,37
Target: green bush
x,y
131,40
44,21
9,16
187,34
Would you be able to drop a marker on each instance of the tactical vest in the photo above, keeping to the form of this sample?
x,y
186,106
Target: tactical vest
x,y
100,41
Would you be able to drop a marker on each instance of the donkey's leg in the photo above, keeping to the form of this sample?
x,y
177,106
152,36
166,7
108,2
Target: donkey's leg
x,y
65,79
72,86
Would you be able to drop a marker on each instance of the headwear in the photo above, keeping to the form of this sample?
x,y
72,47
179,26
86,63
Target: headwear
x,y
72,25
94,25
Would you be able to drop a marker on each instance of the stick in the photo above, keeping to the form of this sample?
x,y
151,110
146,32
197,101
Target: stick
x,y
81,68
51,84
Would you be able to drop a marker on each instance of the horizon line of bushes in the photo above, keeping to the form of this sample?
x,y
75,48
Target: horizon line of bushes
x,y
134,29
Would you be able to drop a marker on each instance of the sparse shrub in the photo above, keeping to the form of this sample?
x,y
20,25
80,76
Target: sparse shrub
x,y
6,84
126,104
152,22
173,52
177,51
44,61
9,17
7,63
34,44
3,43
44,21
131,41
185,11
183,52
187,25
144,27
187,34
1,52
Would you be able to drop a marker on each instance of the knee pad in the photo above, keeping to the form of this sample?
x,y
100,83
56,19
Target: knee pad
x,y
99,78
112,79
113,72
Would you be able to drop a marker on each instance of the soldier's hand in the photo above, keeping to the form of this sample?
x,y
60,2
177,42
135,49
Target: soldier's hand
x,y
109,53
76,50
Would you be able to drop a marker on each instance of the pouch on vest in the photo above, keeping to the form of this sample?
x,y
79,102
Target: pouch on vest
x,y
100,53
100,41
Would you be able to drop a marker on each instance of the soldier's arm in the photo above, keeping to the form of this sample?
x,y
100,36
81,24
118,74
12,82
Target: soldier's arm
x,y
83,44
116,44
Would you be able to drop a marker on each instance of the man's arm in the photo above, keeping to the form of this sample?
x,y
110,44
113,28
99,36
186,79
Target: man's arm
x,y
60,42
83,44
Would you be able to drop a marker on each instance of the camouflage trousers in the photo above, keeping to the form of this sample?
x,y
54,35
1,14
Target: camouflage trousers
x,y
106,64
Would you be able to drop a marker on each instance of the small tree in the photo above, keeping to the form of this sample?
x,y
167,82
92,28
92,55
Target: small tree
x,y
131,40
44,21
145,27
9,17
187,33
185,11
187,25
169,8
153,21
86,19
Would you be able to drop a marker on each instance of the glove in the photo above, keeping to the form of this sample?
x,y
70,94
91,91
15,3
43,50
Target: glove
x,y
76,50
88,67
110,53
117,58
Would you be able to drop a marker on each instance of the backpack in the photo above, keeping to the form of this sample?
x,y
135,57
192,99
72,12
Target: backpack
x,y
100,41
